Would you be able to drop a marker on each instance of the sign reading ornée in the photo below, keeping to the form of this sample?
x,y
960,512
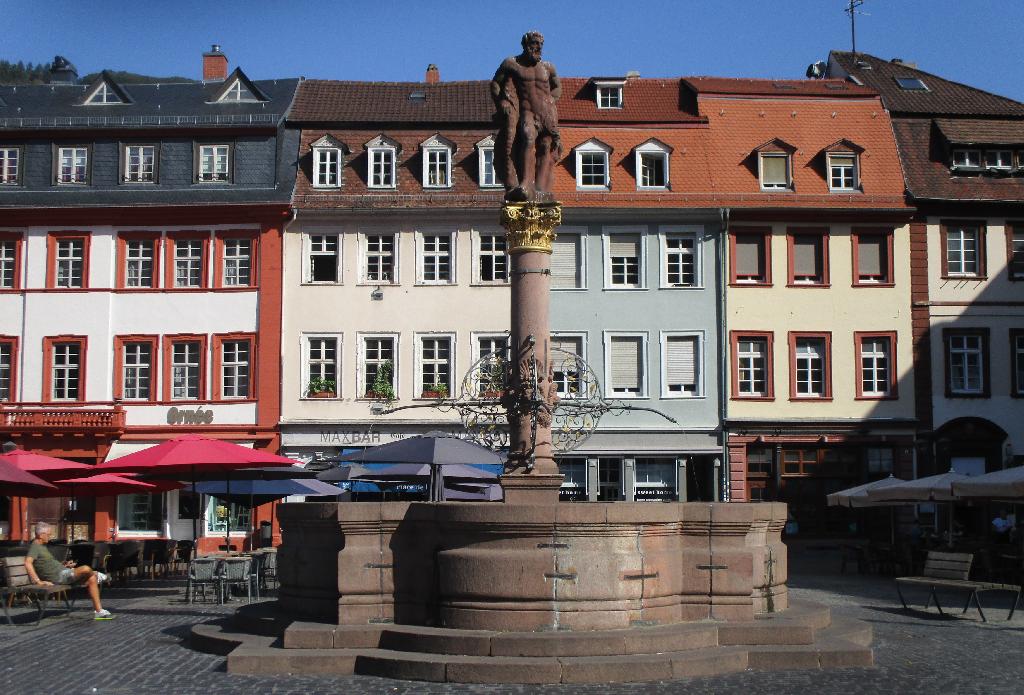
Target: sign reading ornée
x,y
182,416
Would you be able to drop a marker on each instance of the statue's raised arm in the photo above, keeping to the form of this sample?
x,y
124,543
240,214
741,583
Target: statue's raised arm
x,y
525,89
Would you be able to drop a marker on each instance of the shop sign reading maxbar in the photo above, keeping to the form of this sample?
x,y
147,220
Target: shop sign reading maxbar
x,y
181,416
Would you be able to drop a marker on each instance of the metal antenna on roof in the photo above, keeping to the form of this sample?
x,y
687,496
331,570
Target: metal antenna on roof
x,y
852,10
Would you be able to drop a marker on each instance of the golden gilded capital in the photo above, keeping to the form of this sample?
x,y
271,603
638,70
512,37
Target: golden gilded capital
x,y
530,226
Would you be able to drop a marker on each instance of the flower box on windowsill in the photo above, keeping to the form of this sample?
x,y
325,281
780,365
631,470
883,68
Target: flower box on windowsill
x,y
493,395
432,394
322,394
373,395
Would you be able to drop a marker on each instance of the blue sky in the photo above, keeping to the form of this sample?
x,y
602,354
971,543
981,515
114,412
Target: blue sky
x,y
973,41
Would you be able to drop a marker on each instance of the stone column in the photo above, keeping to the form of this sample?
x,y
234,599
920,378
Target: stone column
x,y
532,397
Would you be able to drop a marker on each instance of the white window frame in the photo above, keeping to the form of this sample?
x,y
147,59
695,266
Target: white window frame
x,y
10,166
78,162
69,372
698,359
422,254
134,259
606,237
477,336
581,236
132,373
188,366
417,393
139,173
741,368
960,230
1003,158
479,253
309,252
788,185
324,158
189,262
693,232
307,362
582,338
7,385
103,95
218,173
432,163
608,95
237,92
361,383
878,362
235,368
964,155
652,148
372,156
365,254
963,353
69,264
835,167
597,149
236,269
484,148
609,336
822,358
8,261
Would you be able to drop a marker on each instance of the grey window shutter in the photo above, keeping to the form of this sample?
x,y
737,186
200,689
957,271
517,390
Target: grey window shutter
x,y
870,252
624,246
681,360
805,256
748,254
567,344
626,369
565,261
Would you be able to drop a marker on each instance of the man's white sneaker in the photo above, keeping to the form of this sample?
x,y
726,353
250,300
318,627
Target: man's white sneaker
x,y
102,578
103,614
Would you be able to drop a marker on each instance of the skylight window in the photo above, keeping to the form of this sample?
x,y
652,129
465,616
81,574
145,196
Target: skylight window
x,y
238,92
912,84
104,95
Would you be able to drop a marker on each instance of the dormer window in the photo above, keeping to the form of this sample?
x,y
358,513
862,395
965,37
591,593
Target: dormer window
x,y
609,94
437,162
652,159
842,171
966,159
328,155
999,159
237,88
485,159
592,165
381,156
104,94
774,168
774,165
214,163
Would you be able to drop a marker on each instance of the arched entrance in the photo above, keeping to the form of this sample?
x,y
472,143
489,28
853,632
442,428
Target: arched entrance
x,y
969,445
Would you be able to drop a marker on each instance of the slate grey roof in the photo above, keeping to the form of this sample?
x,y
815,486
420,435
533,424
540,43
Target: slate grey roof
x,y
153,105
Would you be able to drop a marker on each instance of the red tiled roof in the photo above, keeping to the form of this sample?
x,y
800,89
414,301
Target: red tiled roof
x,y
332,101
836,89
942,98
927,170
328,101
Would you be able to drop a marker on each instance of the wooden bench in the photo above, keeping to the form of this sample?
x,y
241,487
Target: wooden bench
x,y
17,583
950,571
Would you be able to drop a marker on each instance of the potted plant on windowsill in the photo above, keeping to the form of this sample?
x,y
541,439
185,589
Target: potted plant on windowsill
x,y
438,391
381,387
492,378
321,388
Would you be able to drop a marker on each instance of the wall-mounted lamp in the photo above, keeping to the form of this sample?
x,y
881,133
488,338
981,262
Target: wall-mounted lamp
x,y
377,294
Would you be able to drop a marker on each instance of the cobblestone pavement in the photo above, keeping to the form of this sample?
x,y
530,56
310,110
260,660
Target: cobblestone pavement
x,y
142,651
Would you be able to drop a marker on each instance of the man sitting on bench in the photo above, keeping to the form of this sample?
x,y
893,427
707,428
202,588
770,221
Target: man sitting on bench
x,y
44,570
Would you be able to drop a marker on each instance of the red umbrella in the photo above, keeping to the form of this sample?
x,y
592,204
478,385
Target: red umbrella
x,y
102,485
19,483
191,453
46,467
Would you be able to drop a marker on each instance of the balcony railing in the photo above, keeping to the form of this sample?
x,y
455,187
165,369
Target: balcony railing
x,y
94,418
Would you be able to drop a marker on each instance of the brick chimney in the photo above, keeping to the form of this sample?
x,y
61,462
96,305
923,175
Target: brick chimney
x,y
433,74
215,65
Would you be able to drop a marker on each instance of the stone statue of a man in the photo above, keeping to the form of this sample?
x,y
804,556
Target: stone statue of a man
x,y
525,89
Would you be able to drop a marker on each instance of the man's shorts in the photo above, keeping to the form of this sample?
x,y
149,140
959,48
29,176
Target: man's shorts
x,y
67,576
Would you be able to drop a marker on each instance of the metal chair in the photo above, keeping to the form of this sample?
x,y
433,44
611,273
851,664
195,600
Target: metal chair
x,y
235,571
203,572
182,556
268,567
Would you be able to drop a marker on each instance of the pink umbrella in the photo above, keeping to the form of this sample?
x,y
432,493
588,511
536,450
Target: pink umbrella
x,y
46,467
19,483
102,485
190,453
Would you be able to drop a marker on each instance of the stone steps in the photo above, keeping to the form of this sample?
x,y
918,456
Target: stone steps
x,y
804,637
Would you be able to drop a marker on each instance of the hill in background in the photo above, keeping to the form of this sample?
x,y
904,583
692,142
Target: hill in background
x,y
27,73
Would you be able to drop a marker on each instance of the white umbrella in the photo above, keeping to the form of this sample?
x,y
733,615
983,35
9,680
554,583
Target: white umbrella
x,y
1005,484
858,496
934,488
